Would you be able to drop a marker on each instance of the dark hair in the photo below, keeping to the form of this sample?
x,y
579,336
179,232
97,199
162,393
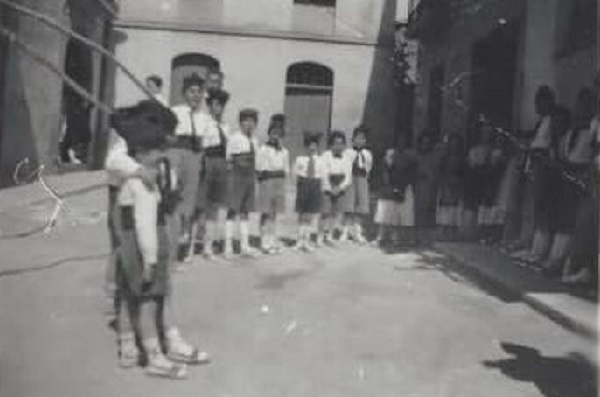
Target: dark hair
x,y
311,137
361,129
145,125
157,80
249,113
192,80
544,92
336,134
220,96
216,71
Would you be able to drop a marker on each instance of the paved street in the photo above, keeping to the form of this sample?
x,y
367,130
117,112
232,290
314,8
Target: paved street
x,y
351,321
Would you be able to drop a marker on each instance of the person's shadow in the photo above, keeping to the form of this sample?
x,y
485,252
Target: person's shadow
x,y
571,376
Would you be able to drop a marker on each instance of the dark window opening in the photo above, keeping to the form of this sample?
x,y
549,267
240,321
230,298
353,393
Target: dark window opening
x,y
76,111
309,74
580,31
186,64
436,100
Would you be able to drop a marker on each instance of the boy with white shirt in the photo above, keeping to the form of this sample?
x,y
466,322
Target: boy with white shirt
x,y
192,122
273,168
309,172
212,194
146,127
241,158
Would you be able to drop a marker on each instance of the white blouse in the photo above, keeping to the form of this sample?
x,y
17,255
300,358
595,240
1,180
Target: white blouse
x,y
333,165
239,143
301,166
270,159
365,159
211,137
118,164
145,206
184,121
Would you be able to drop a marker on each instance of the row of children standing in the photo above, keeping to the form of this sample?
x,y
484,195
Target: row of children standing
x,y
172,171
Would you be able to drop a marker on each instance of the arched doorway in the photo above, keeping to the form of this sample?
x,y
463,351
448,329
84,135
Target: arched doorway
x,y
186,64
308,101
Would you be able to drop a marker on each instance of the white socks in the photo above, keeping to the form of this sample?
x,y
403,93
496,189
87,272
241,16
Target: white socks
x,y
229,236
244,235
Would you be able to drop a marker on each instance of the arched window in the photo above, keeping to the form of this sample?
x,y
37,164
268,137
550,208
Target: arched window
x,y
308,102
310,74
186,64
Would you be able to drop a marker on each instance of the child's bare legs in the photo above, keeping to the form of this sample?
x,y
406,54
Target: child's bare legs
x,y
210,235
245,248
344,223
304,232
232,219
326,224
128,351
381,231
357,227
178,349
267,231
193,233
149,314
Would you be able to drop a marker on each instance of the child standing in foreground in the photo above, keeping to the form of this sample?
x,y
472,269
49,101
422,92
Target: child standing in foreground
x,y
359,195
309,172
337,180
143,256
241,157
273,168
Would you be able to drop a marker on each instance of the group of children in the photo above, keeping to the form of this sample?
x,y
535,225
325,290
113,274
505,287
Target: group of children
x,y
173,172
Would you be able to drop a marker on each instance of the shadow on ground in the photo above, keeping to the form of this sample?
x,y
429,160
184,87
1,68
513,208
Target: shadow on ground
x,y
571,376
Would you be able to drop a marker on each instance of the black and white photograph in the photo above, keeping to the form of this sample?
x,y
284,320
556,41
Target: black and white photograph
x,y
298,198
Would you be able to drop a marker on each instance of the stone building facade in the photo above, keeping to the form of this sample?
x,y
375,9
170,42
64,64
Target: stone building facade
x,y
324,63
491,55
34,105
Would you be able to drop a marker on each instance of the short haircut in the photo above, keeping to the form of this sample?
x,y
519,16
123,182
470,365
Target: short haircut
x,y
157,80
249,113
336,134
278,118
545,93
216,71
192,80
311,137
220,96
361,129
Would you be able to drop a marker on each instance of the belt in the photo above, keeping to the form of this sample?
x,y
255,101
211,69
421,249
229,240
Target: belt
x,y
359,172
215,151
188,142
273,174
